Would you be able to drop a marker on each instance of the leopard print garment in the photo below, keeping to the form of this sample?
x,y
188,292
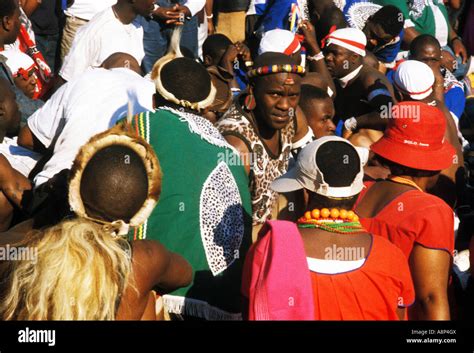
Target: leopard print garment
x,y
264,167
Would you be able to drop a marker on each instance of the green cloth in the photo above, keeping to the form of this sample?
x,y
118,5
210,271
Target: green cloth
x,y
424,21
189,149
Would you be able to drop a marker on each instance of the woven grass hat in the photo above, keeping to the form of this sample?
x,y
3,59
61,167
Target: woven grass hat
x,y
118,135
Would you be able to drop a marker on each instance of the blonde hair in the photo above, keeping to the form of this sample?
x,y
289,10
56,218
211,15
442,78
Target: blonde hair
x,y
80,274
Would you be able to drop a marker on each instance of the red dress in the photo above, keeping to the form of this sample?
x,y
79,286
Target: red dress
x,y
413,217
371,292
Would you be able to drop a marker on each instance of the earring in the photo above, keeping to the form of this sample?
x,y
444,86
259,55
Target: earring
x,y
249,102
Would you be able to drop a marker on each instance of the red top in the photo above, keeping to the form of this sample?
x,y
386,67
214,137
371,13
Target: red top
x,y
413,217
374,291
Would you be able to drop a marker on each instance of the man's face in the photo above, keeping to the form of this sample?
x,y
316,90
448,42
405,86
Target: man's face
x,y
338,60
26,82
144,7
277,97
11,25
376,37
320,117
430,55
9,112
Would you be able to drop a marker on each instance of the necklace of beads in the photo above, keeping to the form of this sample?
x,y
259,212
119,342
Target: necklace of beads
x,y
335,221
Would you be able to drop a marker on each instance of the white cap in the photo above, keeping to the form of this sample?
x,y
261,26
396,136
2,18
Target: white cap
x,y
350,38
18,60
305,174
280,41
414,78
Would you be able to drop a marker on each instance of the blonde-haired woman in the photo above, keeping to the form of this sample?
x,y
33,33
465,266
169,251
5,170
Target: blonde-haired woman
x,y
83,272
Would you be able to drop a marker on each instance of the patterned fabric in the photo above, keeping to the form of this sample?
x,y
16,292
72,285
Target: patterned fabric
x,y
264,166
203,212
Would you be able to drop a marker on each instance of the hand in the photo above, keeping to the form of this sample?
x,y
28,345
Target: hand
x,y
346,133
459,49
229,57
184,9
309,32
448,61
168,15
243,51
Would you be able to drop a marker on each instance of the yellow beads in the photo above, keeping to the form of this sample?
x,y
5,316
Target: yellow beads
x,y
325,213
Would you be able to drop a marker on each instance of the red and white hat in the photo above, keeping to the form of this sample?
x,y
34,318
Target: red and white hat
x,y
17,60
350,38
414,138
280,41
414,78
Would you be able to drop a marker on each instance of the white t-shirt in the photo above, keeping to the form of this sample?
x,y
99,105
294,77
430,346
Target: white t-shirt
x,y
21,159
83,108
86,9
98,39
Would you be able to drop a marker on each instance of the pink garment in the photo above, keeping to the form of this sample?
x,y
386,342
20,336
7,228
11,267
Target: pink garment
x,y
276,278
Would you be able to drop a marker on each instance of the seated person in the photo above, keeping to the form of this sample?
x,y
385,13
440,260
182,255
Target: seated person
x,y
97,274
15,162
24,73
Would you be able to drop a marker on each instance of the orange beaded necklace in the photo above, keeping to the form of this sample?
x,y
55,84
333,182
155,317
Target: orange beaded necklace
x,y
335,221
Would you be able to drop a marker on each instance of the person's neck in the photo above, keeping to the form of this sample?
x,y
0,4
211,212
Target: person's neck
x,y
2,135
263,129
421,182
124,13
351,76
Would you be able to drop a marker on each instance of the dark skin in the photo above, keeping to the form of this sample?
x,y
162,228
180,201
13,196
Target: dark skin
x,y
311,44
429,268
320,114
317,241
446,187
153,268
277,97
27,85
13,185
126,11
350,100
10,27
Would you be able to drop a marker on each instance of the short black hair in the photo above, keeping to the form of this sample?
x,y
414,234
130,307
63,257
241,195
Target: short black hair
x,y
186,79
339,162
215,46
7,7
398,169
310,93
390,18
421,41
114,184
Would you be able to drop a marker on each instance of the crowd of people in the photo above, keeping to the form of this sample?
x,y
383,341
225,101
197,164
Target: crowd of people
x,y
236,160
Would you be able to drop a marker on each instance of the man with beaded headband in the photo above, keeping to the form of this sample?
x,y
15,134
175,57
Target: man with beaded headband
x,y
204,209
262,125
330,268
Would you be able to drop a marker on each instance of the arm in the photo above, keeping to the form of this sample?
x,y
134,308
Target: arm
x,y
410,34
312,46
29,6
28,140
457,45
430,272
242,148
13,184
209,16
159,267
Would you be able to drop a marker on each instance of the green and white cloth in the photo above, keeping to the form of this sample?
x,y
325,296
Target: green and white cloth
x,y
203,212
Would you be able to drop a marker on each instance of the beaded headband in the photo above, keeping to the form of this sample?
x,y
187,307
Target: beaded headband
x,y
275,69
